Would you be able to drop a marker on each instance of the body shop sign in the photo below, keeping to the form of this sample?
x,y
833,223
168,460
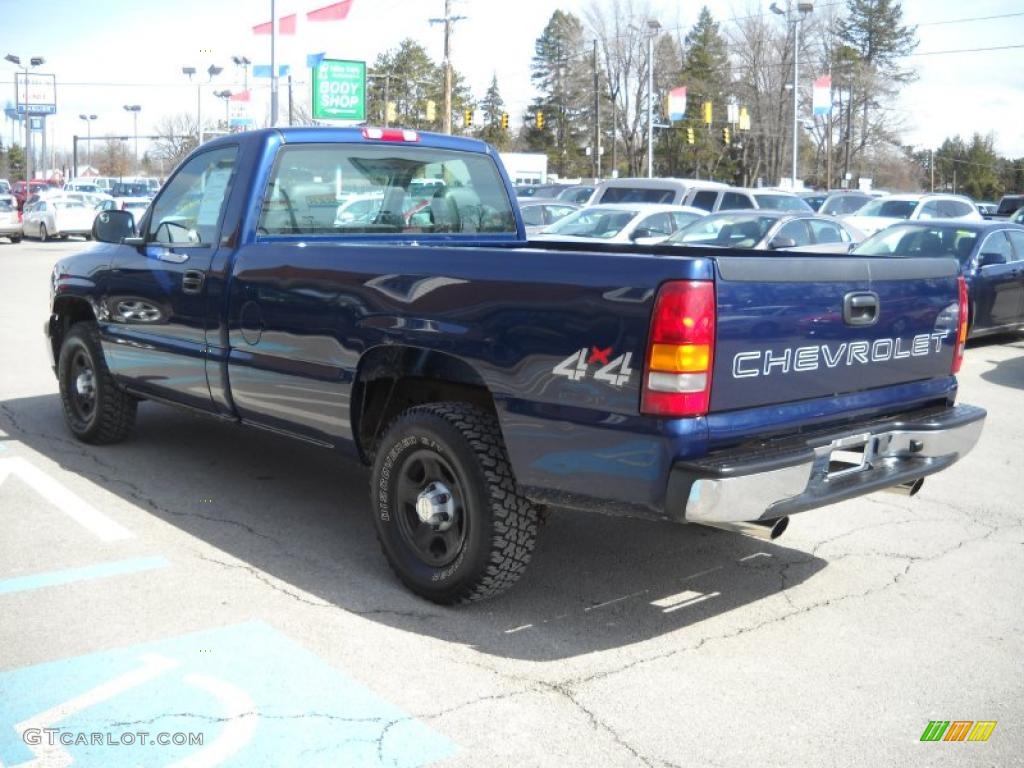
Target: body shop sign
x,y
339,90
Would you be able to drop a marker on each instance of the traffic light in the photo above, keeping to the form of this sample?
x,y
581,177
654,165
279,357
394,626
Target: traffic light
x,y
689,135
504,121
540,121
431,110
467,117
707,112
726,136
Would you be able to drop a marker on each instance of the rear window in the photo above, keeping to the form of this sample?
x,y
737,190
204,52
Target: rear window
x,y
376,189
634,195
780,202
844,204
1010,204
893,209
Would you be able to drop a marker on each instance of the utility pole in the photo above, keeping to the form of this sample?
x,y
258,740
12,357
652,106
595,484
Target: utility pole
x,y
931,167
597,118
273,64
448,20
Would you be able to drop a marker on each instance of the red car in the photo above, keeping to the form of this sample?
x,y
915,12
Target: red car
x,y
21,190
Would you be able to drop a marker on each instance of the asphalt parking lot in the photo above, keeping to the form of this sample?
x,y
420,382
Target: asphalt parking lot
x,y
204,582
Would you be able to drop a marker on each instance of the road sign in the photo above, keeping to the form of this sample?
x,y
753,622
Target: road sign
x,y
339,90
35,94
35,123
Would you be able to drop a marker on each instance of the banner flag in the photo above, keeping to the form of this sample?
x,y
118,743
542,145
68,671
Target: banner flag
x,y
677,104
822,95
332,12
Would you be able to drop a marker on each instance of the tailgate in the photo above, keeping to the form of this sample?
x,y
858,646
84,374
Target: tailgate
x,y
794,328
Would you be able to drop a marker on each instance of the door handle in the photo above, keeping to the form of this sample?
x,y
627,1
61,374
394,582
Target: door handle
x,y
192,281
860,308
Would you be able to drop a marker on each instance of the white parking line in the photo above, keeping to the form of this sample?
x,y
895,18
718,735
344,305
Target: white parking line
x,y
101,526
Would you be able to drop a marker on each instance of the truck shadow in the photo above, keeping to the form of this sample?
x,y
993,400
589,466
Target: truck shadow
x,y
1006,373
301,515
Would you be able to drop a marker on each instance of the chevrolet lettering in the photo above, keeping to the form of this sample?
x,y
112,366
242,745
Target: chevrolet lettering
x,y
747,365
486,380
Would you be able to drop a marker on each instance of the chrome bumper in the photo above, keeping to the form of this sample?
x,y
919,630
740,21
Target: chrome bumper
x,y
774,481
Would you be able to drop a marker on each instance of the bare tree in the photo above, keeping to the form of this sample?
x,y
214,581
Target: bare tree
x,y
620,27
176,137
112,158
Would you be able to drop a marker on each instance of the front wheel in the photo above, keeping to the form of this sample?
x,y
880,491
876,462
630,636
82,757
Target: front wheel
x,y
449,518
43,236
96,409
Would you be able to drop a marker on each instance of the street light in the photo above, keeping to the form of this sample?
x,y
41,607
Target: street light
x,y
803,8
243,62
225,94
88,129
213,70
135,109
652,31
35,61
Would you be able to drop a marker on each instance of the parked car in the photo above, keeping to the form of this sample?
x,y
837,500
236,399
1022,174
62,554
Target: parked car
x,y
538,190
57,216
538,214
892,209
643,190
991,257
641,224
813,198
1018,217
986,208
22,190
769,231
715,199
1008,205
130,189
10,222
845,202
5,187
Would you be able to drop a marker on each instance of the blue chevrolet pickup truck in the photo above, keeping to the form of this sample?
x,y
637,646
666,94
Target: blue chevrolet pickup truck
x,y
372,291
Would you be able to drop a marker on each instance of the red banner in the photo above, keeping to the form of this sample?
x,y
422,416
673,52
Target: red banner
x,y
332,12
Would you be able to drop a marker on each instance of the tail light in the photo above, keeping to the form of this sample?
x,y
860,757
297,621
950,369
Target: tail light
x,y
680,351
961,333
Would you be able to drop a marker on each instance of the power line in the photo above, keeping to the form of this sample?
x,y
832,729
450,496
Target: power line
x,y
969,18
967,50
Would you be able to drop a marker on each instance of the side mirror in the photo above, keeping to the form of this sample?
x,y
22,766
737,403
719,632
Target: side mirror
x,y
988,259
113,226
782,243
641,232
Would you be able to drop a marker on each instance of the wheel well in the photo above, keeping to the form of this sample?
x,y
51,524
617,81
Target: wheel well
x,y
392,379
67,312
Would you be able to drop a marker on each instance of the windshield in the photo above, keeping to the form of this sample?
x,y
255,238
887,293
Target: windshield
x,y
727,230
910,240
780,202
604,223
892,209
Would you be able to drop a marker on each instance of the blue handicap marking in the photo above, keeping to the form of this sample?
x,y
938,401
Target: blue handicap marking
x,y
244,695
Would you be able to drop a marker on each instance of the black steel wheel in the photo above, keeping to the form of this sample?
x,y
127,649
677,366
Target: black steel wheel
x,y
449,518
96,408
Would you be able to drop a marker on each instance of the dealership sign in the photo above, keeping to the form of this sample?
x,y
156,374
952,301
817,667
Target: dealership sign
x,y
35,94
339,90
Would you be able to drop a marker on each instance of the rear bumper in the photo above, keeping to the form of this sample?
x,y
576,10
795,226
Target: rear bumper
x,y
775,480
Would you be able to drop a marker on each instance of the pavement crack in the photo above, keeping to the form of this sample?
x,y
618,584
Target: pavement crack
x,y
263,577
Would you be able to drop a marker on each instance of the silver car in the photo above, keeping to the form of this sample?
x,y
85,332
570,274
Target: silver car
x,y
770,231
10,224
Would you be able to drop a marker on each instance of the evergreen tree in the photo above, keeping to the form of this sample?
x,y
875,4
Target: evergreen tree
x,y
560,73
492,107
706,74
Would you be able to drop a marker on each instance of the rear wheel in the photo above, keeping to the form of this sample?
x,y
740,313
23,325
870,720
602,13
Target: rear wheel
x,y
43,236
15,239
449,518
96,409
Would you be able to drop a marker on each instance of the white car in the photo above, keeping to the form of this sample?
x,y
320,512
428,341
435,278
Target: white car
x,y
892,209
57,217
10,224
640,223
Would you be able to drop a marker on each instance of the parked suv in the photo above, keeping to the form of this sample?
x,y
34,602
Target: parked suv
x,y
713,199
641,190
1008,205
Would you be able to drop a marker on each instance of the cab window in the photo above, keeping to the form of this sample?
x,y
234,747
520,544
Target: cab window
x,y
189,209
373,189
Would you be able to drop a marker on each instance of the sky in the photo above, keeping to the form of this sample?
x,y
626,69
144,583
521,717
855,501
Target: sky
x,y
108,53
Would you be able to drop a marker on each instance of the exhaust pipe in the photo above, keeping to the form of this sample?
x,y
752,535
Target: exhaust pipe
x,y
760,529
908,488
